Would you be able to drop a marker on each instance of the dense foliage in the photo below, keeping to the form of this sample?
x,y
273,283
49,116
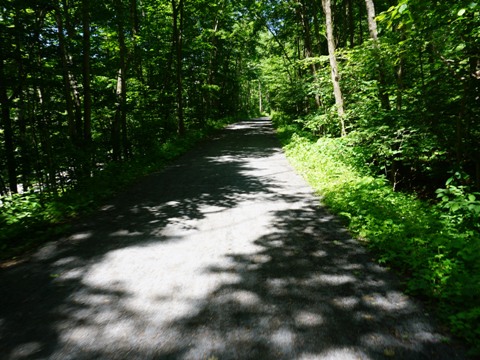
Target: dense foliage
x,y
425,62
87,83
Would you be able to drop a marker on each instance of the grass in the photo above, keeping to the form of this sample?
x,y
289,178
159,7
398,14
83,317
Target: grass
x,y
438,258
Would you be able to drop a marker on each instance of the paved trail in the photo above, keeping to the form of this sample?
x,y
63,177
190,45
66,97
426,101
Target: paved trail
x,y
226,254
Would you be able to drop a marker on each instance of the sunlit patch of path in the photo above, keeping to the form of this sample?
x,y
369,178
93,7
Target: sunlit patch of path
x,y
227,254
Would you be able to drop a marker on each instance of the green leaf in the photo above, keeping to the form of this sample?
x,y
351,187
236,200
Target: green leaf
x,y
461,12
454,207
402,8
381,17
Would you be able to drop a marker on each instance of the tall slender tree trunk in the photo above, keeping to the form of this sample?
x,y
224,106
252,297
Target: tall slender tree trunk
x,y
120,121
177,11
316,28
137,67
308,46
212,65
42,115
7,128
22,124
473,86
337,91
66,76
400,74
74,82
116,125
382,84
260,98
44,130
87,93
360,25
351,23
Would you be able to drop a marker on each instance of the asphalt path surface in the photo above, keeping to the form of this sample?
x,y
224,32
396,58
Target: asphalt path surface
x,y
225,254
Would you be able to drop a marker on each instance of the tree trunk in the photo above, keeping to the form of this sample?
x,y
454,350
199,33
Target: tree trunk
x,y
7,129
360,25
372,23
309,47
372,27
43,115
72,79
22,124
316,28
44,130
212,65
400,69
260,103
137,67
87,93
67,93
337,91
177,14
116,127
120,139
351,23
473,96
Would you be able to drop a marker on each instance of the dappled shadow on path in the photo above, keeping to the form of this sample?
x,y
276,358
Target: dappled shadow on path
x,y
310,293
225,254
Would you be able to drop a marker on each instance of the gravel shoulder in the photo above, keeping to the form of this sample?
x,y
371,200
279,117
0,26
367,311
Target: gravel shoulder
x,y
225,254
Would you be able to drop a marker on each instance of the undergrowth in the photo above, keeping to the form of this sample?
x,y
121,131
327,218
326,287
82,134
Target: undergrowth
x,y
436,247
31,218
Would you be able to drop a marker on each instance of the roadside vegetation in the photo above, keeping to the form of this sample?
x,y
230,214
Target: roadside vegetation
x,y
435,246
377,102
31,218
